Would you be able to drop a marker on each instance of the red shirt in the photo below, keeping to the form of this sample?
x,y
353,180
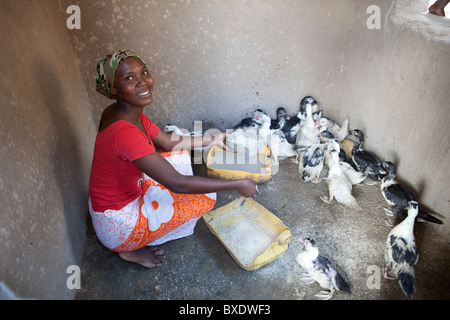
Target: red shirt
x,y
115,178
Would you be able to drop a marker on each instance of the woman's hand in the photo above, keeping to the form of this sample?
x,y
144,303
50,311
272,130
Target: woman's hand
x,y
219,140
247,188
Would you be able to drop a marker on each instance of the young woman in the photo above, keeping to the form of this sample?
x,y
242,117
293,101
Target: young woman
x,y
140,196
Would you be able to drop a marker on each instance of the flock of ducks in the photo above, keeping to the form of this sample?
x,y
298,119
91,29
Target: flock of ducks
x,y
317,141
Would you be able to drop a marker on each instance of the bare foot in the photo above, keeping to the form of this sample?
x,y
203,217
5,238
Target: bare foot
x,y
145,257
437,9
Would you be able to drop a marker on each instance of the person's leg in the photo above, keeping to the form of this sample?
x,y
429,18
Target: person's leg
x,y
162,215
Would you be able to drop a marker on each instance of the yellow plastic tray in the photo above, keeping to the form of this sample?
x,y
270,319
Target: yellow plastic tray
x,y
251,234
236,170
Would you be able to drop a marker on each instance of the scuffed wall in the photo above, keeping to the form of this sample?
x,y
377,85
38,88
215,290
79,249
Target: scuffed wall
x,y
396,90
46,130
217,61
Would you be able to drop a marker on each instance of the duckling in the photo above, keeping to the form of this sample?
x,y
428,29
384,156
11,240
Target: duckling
x,y
320,269
265,134
291,127
339,186
309,132
293,124
325,136
401,252
173,129
339,132
279,146
264,121
354,176
309,100
253,122
398,196
365,159
311,163
281,119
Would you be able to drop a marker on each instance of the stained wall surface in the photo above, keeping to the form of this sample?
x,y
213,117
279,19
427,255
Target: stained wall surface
x,y
213,61
46,129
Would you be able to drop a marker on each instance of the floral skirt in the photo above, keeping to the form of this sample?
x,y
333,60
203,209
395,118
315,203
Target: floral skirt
x,y
157,216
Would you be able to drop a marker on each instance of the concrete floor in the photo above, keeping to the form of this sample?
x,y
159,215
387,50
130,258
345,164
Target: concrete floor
x,y
199,267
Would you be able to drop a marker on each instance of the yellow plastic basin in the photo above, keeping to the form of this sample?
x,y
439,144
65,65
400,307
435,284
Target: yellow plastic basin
x,y
252,234
233,165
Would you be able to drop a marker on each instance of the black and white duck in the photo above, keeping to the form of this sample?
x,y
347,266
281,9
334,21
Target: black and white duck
x,y
339,186
398,196
308,133
401,252
281,119
339,132
292,126
253,122
320,269
364,159
311,163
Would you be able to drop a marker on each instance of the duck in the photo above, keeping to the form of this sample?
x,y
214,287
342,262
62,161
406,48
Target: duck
x,y
173,129
325,136
339,132
401,251
246,142
398,196
309,100
353,175
279,147
320,269
308,133
292,125
311,163
253,122
280,121
264,122
339,186
363,159
270,137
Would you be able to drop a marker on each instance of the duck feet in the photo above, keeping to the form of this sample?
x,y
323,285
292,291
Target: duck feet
x,y
325,295
326,199
388,222
388,274
316,180
306,278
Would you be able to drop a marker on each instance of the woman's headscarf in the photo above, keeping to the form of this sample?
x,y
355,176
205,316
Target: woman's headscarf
x,y
106,70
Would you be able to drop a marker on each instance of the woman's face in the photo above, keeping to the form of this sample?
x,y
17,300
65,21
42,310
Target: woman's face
x,y
133,83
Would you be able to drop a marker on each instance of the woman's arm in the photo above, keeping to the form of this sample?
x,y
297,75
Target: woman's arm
x,y
169,142
162,171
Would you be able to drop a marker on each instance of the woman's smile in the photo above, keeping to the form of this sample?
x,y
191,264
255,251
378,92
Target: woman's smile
x,y
144,94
